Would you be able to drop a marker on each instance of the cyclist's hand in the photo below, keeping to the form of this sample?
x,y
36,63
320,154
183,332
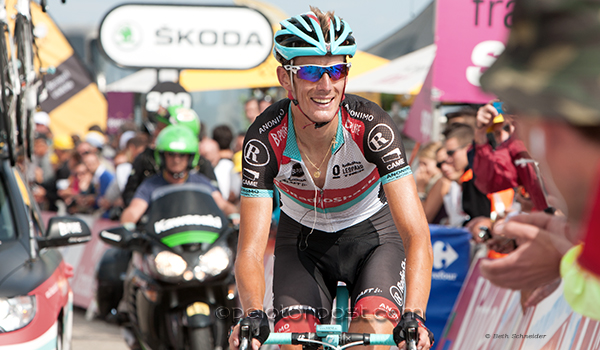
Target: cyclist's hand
x,y
259,330
425,337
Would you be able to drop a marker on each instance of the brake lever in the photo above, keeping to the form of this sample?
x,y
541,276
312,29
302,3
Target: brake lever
x,y
244,335
412,335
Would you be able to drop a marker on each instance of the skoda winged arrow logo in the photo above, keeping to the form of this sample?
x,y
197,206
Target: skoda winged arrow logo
x,y
443,255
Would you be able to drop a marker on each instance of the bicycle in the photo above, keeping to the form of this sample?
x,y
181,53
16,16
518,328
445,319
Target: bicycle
x,y
28,78
333,336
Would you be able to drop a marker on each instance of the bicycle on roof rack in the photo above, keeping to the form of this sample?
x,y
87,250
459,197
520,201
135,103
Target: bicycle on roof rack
x,y
10,88
29,80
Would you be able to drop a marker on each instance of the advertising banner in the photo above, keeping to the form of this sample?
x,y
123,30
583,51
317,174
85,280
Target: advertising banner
x,y
186,36
470,35
451,260
490,317
419,123
120,110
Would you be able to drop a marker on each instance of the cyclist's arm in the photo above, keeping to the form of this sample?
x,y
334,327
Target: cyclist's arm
x,y
255,222
410,221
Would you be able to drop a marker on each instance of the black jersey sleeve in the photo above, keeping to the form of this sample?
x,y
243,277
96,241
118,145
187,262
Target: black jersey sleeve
x,y
263,143
382,142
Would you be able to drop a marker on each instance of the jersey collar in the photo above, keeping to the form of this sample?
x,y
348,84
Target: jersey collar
x,y
291,145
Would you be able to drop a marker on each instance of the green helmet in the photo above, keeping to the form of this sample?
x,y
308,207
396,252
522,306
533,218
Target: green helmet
x,y
179,115
177,139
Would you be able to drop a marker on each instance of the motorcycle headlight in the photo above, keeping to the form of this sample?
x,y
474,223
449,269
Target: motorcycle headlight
x,y
16,313
213,262
169,264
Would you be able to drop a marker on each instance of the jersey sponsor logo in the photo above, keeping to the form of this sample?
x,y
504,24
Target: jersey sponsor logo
x,y
358,115
250,177
394,158
369,291
187,220
348,169
268,125
353,128
380,137
397,291
297,170
256,153
279,135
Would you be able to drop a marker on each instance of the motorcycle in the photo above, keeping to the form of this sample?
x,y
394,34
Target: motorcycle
x,y
179,289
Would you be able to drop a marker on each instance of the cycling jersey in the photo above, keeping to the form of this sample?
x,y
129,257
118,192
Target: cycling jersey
x,y
367,153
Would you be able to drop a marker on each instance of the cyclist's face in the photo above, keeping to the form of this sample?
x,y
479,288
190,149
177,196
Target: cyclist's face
x,y
319,100
176,162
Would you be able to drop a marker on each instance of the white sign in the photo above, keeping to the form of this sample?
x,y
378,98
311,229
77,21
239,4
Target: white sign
x,y
186,36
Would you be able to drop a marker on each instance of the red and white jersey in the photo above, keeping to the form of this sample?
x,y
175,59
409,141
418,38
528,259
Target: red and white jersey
x,y
367,153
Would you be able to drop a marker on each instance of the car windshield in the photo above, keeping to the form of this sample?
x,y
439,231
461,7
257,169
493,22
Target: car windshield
x,y
7,225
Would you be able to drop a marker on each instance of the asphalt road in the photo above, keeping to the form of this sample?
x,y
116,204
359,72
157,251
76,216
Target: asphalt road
x,y
95,334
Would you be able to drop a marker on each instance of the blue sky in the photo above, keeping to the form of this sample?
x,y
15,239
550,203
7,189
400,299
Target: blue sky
x,y
371,20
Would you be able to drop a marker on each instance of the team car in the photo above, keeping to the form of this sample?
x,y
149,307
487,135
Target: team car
x,y
36,300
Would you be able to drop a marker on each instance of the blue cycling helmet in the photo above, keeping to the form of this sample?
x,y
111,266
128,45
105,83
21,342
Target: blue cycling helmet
x,y
302,35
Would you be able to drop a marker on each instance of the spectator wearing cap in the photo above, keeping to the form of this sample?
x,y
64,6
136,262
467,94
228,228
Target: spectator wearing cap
x,y
97,140
42,123
549,74
63,149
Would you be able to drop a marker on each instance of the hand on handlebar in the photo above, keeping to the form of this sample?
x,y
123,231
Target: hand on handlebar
x,y
254,328
411,331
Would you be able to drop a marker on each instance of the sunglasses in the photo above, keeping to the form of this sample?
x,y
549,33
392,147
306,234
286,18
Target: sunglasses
x,y
313,73
439,164
450,153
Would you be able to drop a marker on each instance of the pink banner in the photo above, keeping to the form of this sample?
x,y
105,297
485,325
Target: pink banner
x,y
486,317
419,122
470,34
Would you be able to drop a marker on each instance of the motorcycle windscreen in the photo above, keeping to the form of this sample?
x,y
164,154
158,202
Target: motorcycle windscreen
x,y
185,214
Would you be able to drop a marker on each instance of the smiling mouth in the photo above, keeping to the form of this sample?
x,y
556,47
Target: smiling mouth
x,y
322,100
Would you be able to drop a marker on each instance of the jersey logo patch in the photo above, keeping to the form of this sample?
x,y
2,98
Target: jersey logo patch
x,y
380,137
256,153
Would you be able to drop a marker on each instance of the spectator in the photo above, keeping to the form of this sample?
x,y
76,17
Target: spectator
x,y
465,115
468,202
42,123
43,170
97,140
264,103
252,110
434,204
102,177
82,196
63,149
224,168
497,169
559,119
427,173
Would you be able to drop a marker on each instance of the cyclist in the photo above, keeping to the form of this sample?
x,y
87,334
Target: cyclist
x,y
176,154
349,207
144,164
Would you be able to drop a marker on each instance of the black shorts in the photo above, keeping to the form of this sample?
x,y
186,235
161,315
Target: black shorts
x,y
369,257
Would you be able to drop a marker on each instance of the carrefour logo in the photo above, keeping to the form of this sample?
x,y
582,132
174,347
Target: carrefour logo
x,y
443,255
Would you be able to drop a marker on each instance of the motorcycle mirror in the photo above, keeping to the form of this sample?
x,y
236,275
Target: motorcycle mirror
x,y
122,238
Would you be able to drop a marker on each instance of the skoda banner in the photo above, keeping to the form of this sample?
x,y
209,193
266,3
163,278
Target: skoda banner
x,y
451,260
186,36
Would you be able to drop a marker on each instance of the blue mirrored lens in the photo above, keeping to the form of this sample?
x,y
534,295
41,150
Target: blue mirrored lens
x,y
314,73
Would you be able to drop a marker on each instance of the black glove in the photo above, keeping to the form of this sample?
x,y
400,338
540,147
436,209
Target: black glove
x,y
259,325
407,318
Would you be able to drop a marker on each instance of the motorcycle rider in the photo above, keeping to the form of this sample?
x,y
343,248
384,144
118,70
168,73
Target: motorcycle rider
x,y
176,154
145,165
